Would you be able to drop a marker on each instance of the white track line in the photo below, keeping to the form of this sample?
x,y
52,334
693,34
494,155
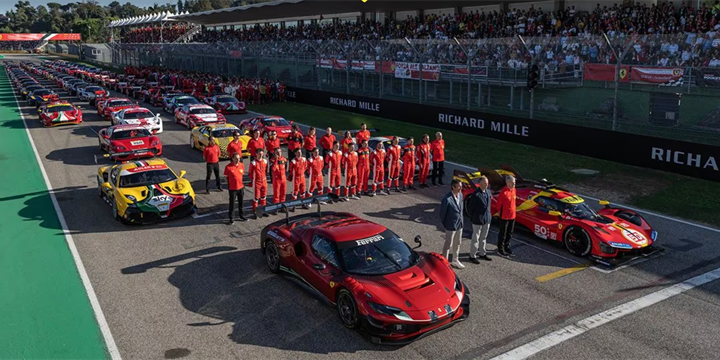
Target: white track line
x,y
465,167
592,322
99,316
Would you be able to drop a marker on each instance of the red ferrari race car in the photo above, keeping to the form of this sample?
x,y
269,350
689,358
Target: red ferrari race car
x,y
198,115
113,105
269,123
226,104
553,213
129,142
379,285
59,113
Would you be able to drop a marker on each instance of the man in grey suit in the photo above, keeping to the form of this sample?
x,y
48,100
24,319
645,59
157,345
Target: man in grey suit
x,y
451,216
478,207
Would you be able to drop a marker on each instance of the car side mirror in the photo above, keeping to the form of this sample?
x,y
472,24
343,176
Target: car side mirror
x,y
182,173
105,136
418,241
554,213
319,267
106,186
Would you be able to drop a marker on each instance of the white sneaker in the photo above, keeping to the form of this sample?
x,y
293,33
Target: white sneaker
x,y
355,197
457,264
323,203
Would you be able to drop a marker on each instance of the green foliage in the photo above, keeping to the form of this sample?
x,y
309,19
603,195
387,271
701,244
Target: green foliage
x,y
89,18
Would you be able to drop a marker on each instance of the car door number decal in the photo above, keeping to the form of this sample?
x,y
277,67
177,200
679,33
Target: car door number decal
x,y
544,232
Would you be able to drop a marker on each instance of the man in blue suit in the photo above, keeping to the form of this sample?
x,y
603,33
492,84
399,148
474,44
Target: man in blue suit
x,y
451,216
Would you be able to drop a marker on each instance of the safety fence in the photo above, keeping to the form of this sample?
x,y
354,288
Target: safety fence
x,y
662,86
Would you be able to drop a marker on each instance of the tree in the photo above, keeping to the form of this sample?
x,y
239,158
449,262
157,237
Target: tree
x,y
179,6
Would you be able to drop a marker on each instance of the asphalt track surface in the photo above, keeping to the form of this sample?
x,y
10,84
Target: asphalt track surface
x,y
198,288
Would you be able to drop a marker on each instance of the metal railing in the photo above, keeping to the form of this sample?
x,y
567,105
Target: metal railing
x,y
624,83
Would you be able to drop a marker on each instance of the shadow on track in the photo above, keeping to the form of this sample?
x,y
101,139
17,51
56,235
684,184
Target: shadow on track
x,y
265,309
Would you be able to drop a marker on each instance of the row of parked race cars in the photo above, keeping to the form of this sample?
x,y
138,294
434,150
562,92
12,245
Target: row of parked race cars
x,y
375,280
377,283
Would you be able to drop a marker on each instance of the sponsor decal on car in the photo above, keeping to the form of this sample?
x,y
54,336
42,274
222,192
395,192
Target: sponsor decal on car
x,y
369,240
275,236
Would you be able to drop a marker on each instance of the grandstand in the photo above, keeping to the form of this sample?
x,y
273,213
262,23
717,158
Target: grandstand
x,y
476,55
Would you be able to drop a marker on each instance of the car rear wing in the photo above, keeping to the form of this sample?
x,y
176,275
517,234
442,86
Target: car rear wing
x,y
260,210
126,153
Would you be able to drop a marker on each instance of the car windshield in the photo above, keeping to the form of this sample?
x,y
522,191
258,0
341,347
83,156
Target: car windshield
x,y
120,103
138,115
223,133
186,101
130,134
42,92
580,211
147,178
60,108
381,254
226,99
202,111
276,122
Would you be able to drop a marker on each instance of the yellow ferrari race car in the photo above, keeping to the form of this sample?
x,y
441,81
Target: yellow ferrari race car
x,y
223,134
142,192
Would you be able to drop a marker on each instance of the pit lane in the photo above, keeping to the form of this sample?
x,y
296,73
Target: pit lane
x,y
199,288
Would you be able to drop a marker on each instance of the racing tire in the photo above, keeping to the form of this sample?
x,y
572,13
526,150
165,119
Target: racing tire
x,y
115,214
100,191
347,309
577,241
192,142
272,256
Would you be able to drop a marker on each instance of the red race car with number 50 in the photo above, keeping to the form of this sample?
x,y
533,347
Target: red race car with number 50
x,y
553,213
378,284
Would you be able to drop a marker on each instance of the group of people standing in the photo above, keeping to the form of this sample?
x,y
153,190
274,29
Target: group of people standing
x,y
367,172
479,211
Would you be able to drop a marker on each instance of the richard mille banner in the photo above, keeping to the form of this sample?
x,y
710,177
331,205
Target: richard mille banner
x,y
680,157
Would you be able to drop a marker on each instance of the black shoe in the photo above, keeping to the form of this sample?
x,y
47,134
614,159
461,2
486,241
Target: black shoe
x,y
412,187
220,189
397,190
387,191
434,184
207,191
509,252
474,260
441,183
242,218
231,222
502,253
275,212
265,215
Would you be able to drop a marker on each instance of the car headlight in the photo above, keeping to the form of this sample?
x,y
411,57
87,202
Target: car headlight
x,y
653,235
131,198
389,310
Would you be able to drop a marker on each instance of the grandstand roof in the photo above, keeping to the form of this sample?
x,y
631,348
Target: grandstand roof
x,y
298,8
146,19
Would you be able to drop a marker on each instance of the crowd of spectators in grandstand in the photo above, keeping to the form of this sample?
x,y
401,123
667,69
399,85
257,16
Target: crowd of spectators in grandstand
x,y
644,34
152,34
18,45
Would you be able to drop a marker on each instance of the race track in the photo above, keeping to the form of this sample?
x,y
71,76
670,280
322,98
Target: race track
x,y
198,288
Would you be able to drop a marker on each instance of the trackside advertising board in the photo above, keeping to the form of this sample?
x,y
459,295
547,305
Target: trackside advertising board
x,y
696,160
